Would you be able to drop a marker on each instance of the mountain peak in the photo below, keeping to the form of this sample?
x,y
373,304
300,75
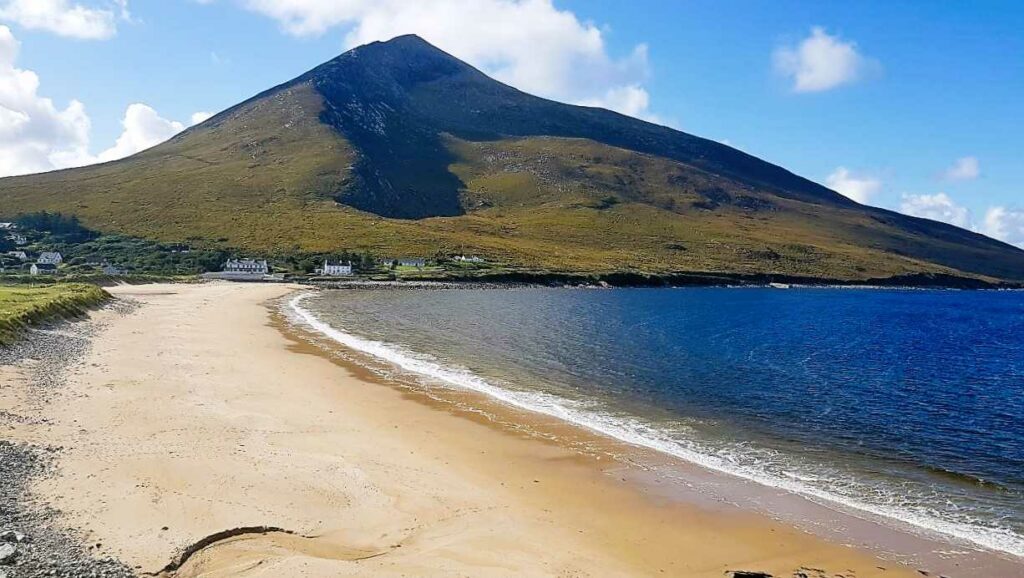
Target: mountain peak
x,y
382,67
407,40
404,49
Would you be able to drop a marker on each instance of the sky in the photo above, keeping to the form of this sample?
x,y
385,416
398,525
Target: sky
x,y
912,106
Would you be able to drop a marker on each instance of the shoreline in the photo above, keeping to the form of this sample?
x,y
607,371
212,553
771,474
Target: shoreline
x,y
512,279
198,416
589,284
891,537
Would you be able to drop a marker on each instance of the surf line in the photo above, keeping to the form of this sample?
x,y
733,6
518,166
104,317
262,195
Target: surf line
x,y
635,432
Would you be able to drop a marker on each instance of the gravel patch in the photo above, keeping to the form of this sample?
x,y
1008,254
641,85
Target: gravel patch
x,y
33,542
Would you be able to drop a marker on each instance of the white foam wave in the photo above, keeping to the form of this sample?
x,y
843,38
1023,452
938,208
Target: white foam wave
x,y
636,432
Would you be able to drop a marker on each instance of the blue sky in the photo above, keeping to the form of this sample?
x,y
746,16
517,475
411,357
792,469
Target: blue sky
x,y
910,106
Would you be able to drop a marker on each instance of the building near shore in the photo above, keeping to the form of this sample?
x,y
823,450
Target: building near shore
x,y
245,270
18,238
336,269
43,269
469,259
19,255
412,262
50,258
109,269
247,266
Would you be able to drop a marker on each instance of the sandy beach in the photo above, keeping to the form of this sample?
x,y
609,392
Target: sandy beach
x,y
201,438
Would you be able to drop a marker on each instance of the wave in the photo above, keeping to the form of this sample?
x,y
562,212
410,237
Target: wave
x,y
636,432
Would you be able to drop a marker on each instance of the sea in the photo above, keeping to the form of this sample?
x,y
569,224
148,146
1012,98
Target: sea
x,y
898,404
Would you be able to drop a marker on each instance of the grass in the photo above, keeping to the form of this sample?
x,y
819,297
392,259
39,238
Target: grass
x,y
22,307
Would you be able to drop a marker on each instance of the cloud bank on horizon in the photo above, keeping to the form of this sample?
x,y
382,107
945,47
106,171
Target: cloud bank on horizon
x,y
529,44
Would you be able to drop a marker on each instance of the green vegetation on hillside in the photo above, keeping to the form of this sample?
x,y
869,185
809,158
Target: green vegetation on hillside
x,y
21,307
402,129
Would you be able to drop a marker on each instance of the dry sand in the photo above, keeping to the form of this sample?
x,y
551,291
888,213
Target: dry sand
x,y
195,416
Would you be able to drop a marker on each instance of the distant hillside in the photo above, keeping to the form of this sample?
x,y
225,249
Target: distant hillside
x,y
401,149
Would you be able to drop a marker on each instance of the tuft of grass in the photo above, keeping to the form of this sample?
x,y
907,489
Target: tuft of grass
x,y
22,307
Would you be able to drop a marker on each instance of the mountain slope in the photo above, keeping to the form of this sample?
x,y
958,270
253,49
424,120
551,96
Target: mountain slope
x,y
395,99
400,148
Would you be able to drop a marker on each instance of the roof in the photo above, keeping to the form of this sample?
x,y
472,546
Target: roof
x,y
49,254
45,266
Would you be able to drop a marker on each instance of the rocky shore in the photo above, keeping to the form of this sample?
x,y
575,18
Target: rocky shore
x,y
33,542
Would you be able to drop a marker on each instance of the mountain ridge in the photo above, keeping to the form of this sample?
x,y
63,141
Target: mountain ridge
x,y
398,146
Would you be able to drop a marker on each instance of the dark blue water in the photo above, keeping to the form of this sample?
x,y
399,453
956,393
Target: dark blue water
x,y
904,404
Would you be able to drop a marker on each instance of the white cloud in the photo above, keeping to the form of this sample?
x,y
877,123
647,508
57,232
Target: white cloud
x,y
964,169
528,44
999,222
143,128
630,100
861,189
937,207
1005,224
65,19
198,117
35,135
820,62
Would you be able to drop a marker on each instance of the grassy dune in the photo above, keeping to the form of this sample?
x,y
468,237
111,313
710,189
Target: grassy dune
x,y
22,307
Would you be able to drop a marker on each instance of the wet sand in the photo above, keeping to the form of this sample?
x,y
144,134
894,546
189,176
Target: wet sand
x,y
202,438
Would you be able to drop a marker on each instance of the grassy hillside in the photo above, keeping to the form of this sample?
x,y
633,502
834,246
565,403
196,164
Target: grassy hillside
x,y
655,214
402,150
21,307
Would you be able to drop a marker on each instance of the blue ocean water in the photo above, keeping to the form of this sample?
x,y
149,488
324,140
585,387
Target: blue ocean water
x,y
902,404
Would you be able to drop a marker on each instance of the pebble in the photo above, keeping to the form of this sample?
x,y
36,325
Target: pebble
x,y
11,536
7,553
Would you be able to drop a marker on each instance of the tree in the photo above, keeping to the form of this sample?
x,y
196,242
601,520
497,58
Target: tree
x,y
367,262
66,228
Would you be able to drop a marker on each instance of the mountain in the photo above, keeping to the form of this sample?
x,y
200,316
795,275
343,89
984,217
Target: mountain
x,y
399,148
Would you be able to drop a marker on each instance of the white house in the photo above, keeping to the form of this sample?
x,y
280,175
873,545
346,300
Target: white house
x,y
19,255
6,226
109,269
465,259
43,269
50,258
18,238
250,266
337,269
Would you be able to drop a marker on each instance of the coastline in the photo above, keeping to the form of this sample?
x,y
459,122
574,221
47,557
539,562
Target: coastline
x,y
202,415
660,465
623,279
